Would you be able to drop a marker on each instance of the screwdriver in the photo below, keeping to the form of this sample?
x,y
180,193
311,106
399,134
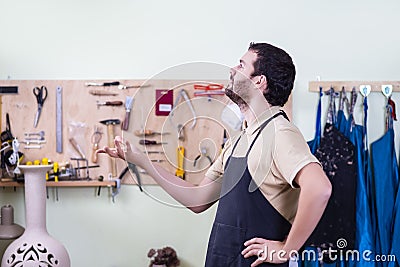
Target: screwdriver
x,y
148,133
146,142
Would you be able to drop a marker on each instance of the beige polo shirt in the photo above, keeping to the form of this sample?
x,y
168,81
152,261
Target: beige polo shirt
x,y
276,157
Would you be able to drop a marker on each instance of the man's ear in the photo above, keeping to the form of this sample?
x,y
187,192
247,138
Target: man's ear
x,y
261,82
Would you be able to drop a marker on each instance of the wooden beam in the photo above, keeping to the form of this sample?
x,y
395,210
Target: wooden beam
x,y
376,86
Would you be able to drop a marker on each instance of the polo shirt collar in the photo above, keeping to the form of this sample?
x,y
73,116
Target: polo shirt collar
x,y
252,128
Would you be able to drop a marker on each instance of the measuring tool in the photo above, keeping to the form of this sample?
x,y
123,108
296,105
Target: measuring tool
x,y
59,141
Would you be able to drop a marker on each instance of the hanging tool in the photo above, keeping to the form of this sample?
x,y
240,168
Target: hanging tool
x,y
33,147
158,160
4,146
123,87
147,142
77,147
110,135
181,133
102,93
13,156
59,140
135,170
29,142
209,89
116,189
146,133
96,137
153,152
203,153
16,154
180,172
55,171
116,83
109,103
128,107
183,94
41,135
5,90
224,139
41,95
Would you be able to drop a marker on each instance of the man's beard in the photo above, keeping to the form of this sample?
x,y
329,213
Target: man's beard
x,y
242,87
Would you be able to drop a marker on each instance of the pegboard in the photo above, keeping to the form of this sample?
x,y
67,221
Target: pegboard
x,y
80,115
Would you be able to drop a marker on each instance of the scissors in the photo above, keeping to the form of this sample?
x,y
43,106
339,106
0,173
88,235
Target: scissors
x,y
41,95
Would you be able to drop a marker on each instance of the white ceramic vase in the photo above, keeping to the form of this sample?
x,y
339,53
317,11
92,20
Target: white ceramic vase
x,y
35,247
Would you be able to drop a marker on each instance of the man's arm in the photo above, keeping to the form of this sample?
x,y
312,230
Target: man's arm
x,y
315,191
196,198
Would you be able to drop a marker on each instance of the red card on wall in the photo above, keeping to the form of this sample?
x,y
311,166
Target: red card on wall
x,y
164,101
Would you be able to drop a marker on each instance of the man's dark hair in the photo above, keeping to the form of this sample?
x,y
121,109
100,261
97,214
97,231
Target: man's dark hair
x,y
277,66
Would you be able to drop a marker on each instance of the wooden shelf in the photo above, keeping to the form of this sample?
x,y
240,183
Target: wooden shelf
x,y
64,184
313,86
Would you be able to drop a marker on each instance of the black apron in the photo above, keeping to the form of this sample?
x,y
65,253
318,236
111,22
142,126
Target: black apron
x,y
242,215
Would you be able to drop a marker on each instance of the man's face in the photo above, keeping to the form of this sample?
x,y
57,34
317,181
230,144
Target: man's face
x,y
239,90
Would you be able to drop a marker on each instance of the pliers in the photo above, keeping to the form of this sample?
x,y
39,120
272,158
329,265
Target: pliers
x,y
135,171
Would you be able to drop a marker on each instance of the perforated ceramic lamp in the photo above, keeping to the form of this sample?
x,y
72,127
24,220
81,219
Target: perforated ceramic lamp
x,y
35,247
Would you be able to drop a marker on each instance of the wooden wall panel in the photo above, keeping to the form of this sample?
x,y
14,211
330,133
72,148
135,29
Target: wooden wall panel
x,y
81,115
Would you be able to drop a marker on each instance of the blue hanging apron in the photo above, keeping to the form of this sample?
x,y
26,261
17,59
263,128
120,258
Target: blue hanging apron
x,y
395,250
364,233
242,215
385,181
314,144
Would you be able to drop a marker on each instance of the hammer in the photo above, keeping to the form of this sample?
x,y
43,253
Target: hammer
x,y
110,135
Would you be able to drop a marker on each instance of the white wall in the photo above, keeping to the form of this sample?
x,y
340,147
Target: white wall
x,y
337,40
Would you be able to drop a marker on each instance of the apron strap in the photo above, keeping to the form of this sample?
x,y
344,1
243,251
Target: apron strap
x,y
280,113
